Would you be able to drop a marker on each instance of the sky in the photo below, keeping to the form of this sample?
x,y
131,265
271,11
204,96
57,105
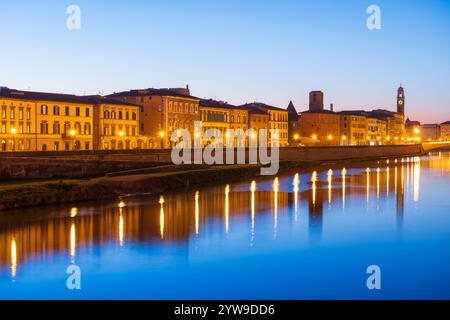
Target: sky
x,y
236,50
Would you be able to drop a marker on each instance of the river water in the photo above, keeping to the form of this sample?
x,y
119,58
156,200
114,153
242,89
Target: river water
x,y
308,235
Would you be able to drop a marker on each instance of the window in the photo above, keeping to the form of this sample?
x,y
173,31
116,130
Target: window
x,y
20,113
12,113
120,115
86,145
127,116
44,127
106,114
105,130
134,116
66,127
56,128
3,112
3,127
87,112
28,128
56,110
67,111
56,146
20,127
77,111
87,128
44,109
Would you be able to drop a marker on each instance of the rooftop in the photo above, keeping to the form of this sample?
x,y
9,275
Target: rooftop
x,y
57,97
153,92
262,106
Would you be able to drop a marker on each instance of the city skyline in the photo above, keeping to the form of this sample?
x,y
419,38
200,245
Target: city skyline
x,y
302,46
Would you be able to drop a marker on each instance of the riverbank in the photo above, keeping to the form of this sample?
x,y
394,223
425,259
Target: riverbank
x,y
54,192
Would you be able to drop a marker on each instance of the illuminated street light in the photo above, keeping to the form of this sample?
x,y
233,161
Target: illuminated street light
x,y
162,134
13,132
121,134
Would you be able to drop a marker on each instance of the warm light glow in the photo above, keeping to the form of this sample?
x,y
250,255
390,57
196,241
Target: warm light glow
x,y
73,212
13,130
368,183
13,258
314,136
378,183
388,138
162,134
121,134
73,244
253,136
296,185
416,181
73,133
197,213
330,180
344,137
314,180
227,208
344,173
296,137
416,130
121,204
276,189
253,190
161,217
121,225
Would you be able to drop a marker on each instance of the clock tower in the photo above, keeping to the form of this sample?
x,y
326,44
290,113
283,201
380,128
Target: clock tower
x,y
401,100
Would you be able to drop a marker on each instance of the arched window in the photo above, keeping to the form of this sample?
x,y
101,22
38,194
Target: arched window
x,y
106,116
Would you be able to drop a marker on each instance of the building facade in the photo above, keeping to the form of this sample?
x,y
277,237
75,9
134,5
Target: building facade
x,y
354,128
319,128
162,112
39,121
445,131
278,120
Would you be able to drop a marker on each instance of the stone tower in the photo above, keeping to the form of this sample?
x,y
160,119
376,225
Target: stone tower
x,y
401,100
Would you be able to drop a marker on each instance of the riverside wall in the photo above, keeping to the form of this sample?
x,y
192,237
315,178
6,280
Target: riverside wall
x,y
47,165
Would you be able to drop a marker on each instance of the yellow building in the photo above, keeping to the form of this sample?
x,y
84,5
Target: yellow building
x,y
17,131
353,128
39,121
258,120
214,115
116,125
319,128
376,131
278,120
162,112
445,131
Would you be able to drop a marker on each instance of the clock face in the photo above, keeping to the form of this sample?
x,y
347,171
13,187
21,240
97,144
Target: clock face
x,y
400,102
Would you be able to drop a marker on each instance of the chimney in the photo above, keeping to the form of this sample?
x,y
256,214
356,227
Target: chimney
x,y
331,107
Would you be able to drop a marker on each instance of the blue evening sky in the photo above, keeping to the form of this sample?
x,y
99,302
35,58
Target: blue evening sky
x,y
238,51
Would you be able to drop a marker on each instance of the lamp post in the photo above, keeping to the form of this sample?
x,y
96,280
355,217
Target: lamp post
x,y
73,135
162,134
121,134
13,132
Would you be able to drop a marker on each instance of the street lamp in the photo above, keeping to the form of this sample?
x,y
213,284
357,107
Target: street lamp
x,y
73,134
13,132
162,134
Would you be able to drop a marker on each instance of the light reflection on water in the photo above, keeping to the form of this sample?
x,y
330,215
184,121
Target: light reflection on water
x,y
302,235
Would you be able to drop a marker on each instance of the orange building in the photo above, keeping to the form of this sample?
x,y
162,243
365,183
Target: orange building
x,y
319,128
162,112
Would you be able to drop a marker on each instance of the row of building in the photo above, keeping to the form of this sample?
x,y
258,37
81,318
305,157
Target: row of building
x,y
135,119
146,119
319,126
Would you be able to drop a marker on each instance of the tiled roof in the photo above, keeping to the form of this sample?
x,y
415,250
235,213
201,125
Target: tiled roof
x,y
57,97
260,105
150,92
216,104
